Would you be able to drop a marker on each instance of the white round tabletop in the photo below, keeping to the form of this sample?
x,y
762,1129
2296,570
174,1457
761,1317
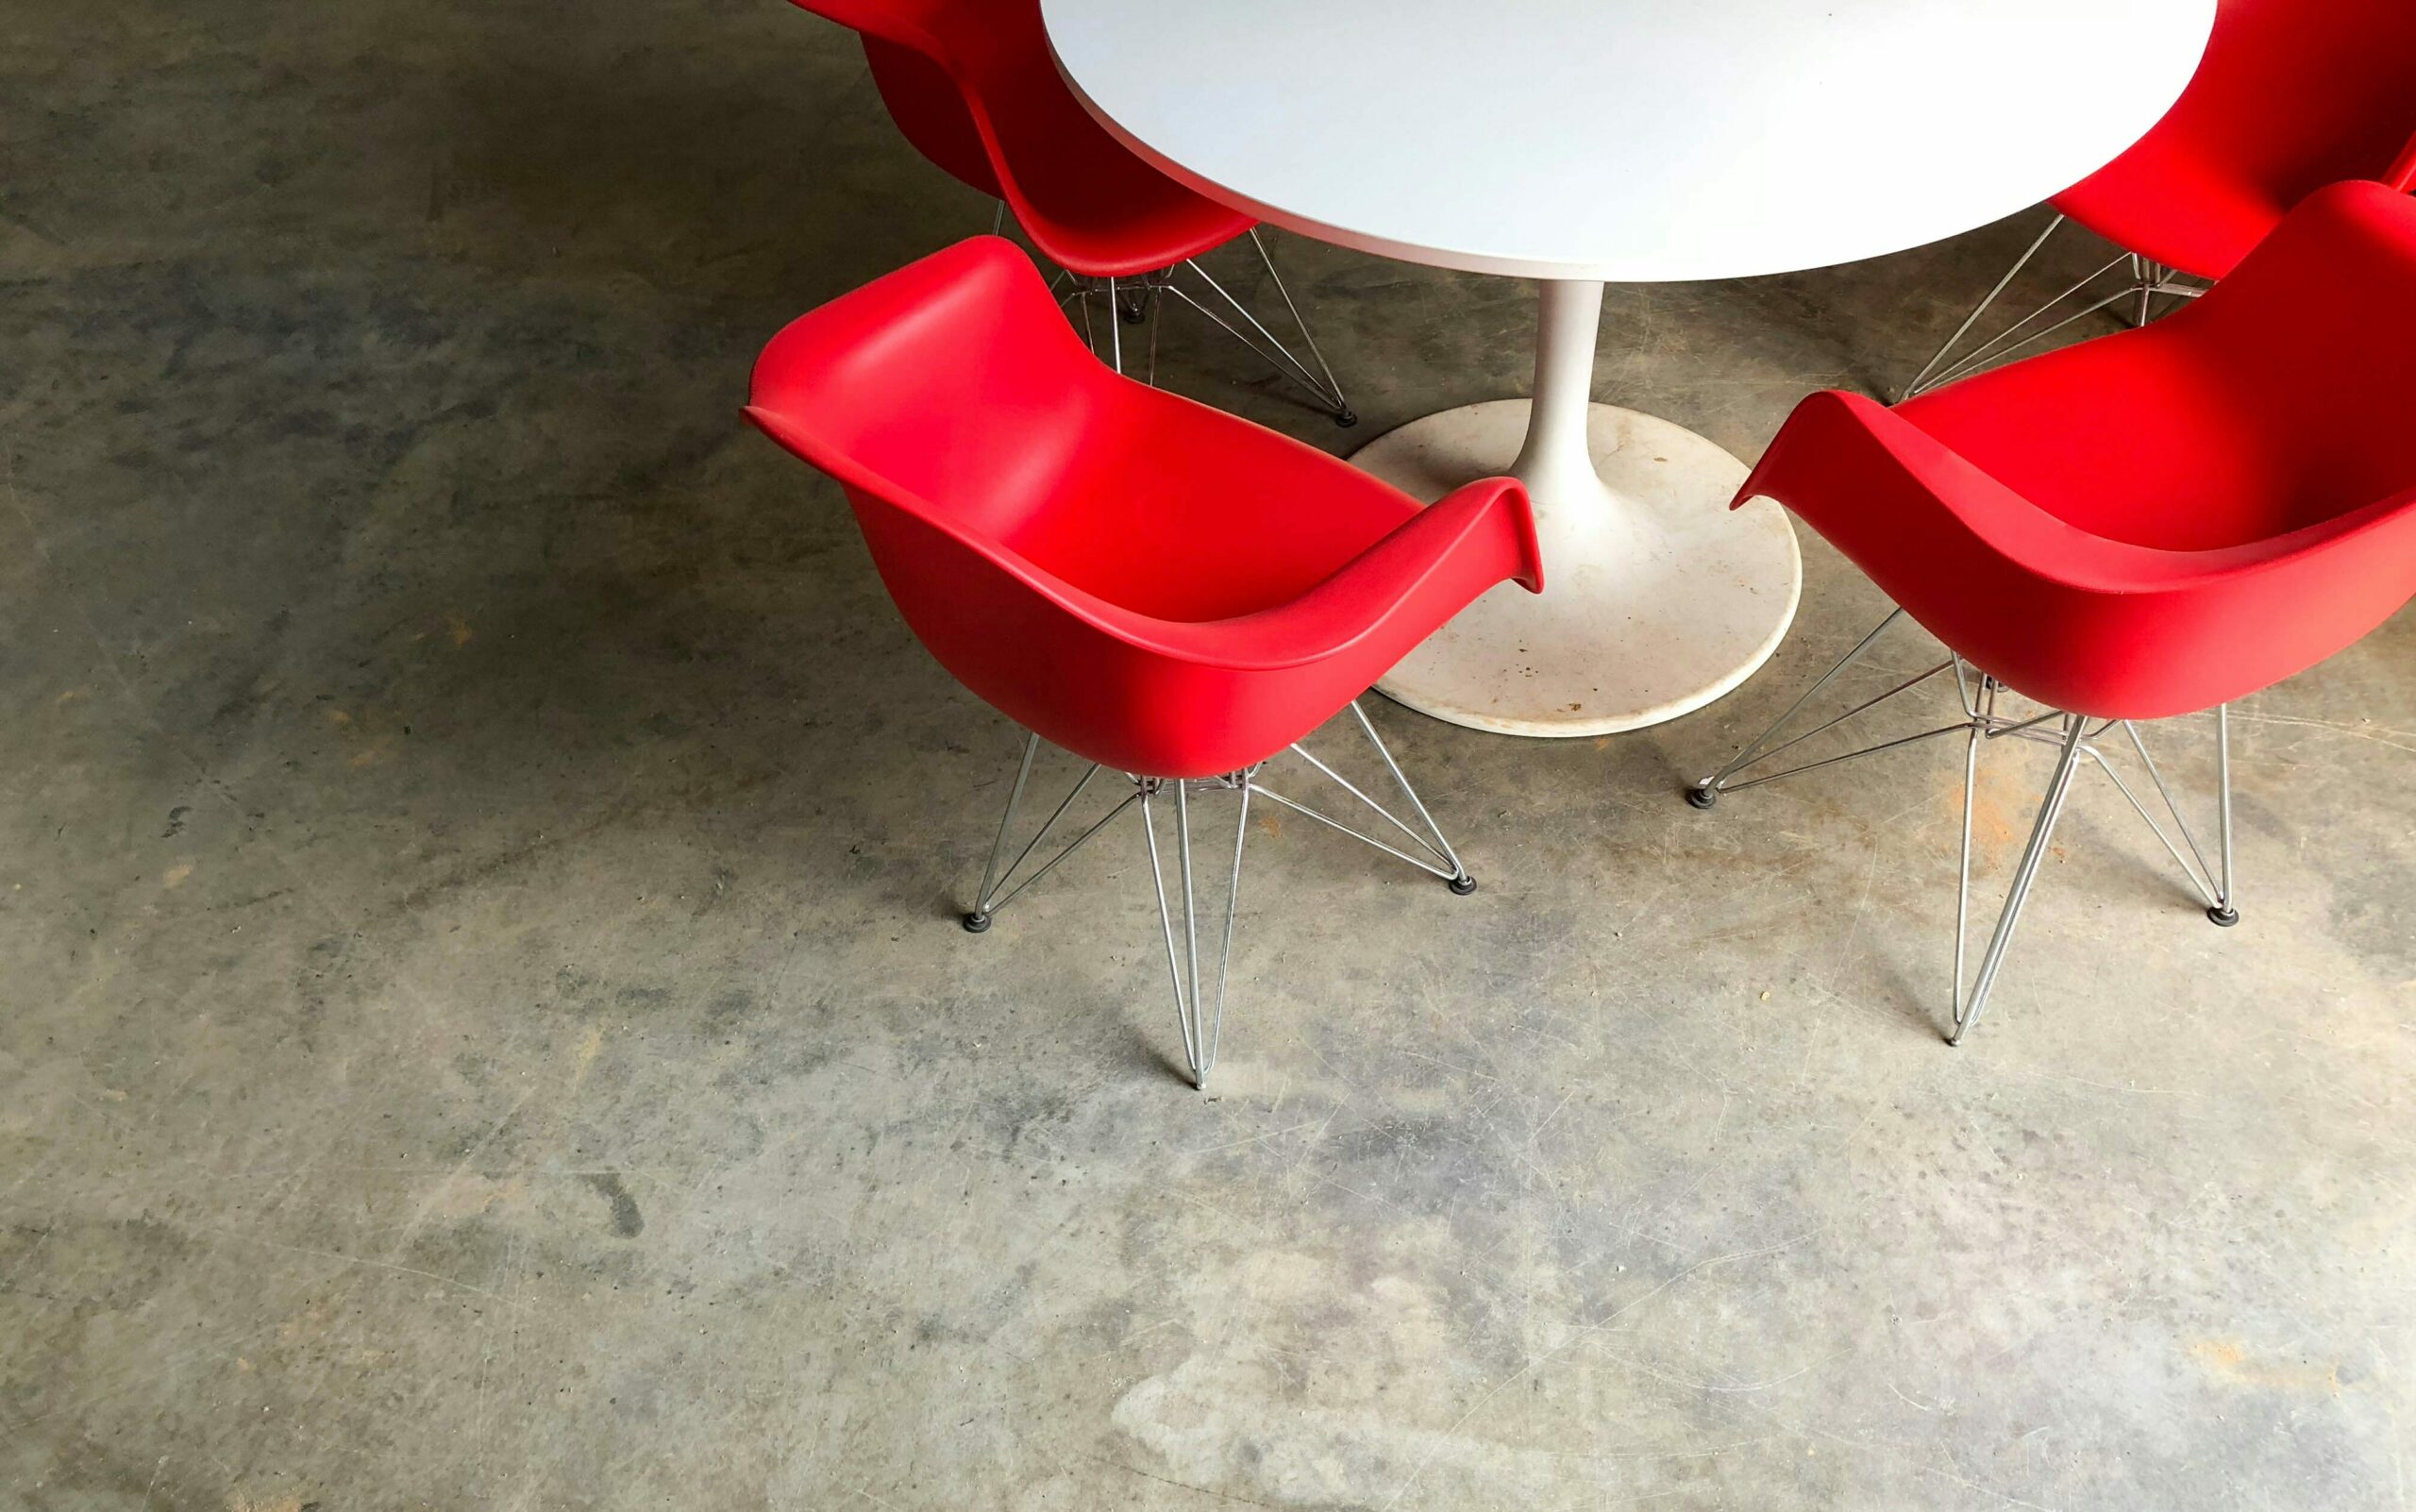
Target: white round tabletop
x,y
1629,141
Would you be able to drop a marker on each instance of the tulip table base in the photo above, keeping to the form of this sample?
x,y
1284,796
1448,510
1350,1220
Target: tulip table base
x,y
1657,596
1657,599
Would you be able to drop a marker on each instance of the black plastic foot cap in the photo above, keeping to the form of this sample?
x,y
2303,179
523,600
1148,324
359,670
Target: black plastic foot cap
x,y
1702,797
2224,917
977,922
1462,884
1347,418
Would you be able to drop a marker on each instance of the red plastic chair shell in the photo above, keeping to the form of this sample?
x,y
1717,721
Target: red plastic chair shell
x,y
971,83
2161,520
1152,584
2290,95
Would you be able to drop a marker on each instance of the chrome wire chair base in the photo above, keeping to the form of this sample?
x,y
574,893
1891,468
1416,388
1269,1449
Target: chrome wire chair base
x,y
2138,284
2074,737
1199,994
1132,301
1199,1014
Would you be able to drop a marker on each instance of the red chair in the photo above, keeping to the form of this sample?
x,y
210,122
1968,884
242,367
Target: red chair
x,y
2291,95
1169,592
973,86
2153,524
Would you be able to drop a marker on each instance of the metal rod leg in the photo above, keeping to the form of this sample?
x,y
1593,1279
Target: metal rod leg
x,y
1459,881
1156,308
2227,911
977,919
1439,859
1198,1015
1269,350
2206,877
1165,916
998,884
2184,852
1194,1043
1347,417
1706,792
2004,344
1969,321
1115,327
1225,954
1967,1014
1963,861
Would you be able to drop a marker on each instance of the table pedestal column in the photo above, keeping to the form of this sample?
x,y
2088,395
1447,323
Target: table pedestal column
x,y
1657,597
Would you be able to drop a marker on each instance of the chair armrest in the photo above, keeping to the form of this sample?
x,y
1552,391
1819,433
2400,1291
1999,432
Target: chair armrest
x,y
1383,601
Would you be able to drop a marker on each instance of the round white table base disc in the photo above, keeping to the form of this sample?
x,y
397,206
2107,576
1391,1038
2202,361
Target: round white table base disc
x,y
1657,597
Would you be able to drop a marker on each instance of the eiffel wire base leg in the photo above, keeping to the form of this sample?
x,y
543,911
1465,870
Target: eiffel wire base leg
x,y
2141,284
2075,737
999,886
1142,298
1198,1008
1199,990
1318,383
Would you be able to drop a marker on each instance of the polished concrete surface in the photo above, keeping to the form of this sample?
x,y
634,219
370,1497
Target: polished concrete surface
x,y
482,1022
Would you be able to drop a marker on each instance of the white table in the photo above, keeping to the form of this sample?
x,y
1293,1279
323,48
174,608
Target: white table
x,y
1579,141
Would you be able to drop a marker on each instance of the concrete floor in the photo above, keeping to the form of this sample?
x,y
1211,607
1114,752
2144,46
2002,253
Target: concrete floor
x,y
481,1022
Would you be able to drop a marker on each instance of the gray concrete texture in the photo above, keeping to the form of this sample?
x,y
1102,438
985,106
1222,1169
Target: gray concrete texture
x,y
482,1022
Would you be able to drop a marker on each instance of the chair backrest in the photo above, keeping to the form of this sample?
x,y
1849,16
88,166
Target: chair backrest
x,y
951,387
965,80
971,83
912,45
2304,92
930,113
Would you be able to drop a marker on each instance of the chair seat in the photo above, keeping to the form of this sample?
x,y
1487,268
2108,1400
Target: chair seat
x,y
1174,511
2151,444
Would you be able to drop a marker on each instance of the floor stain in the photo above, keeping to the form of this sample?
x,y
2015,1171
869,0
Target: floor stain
x,y
626,1220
